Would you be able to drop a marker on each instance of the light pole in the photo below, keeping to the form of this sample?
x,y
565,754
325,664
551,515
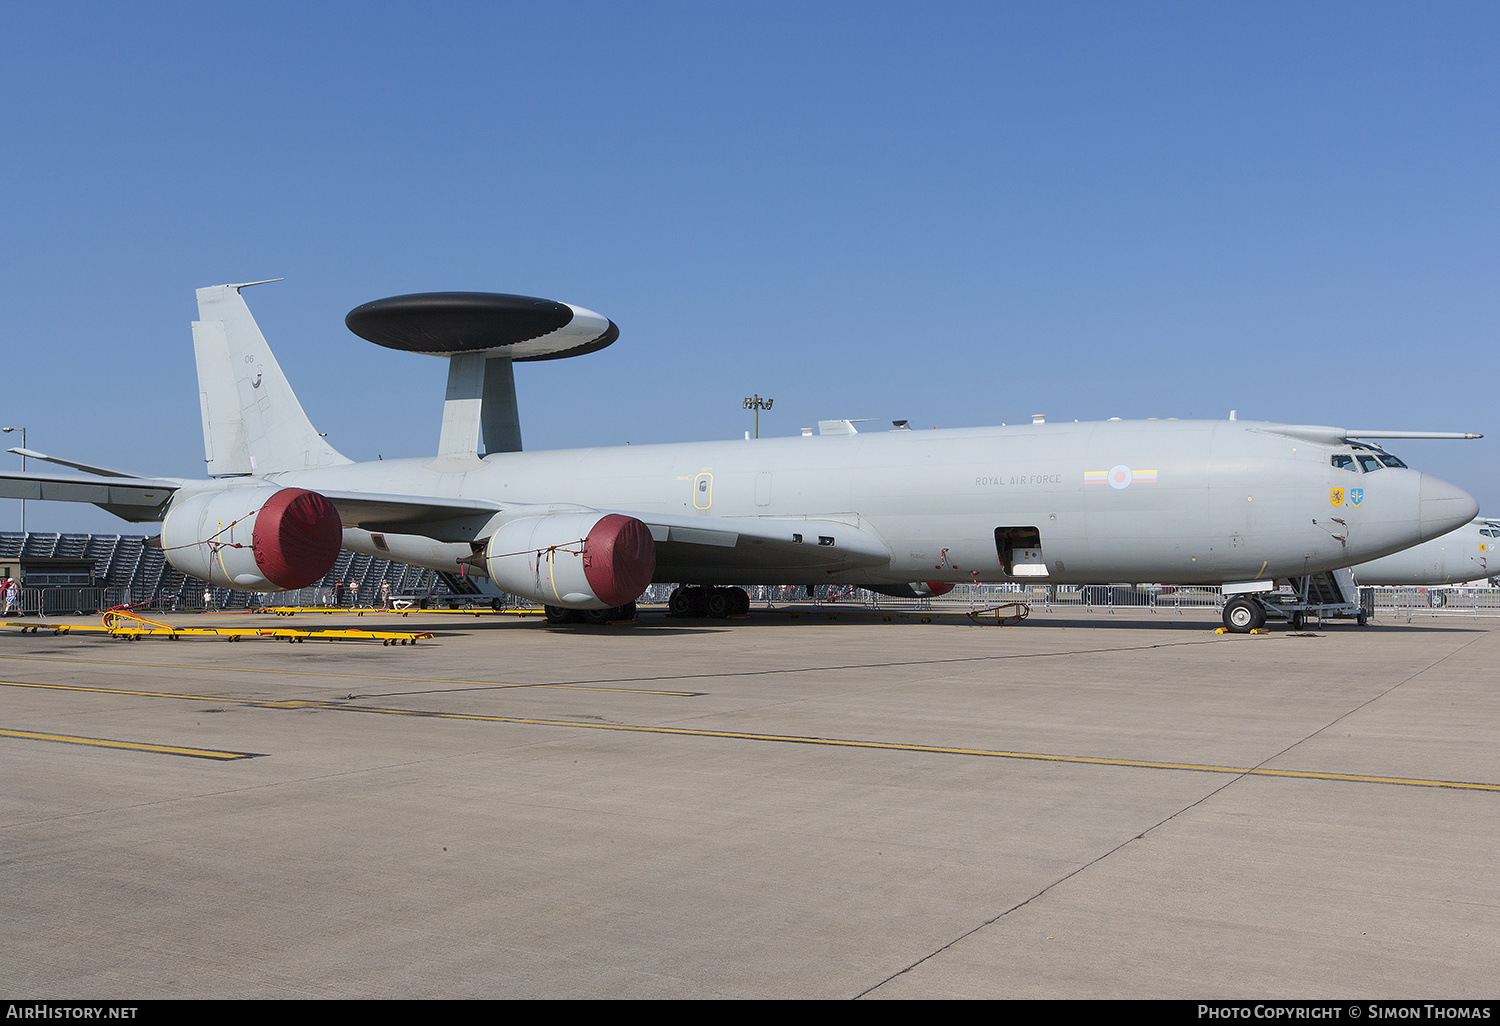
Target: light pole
x,y
757,404
23,468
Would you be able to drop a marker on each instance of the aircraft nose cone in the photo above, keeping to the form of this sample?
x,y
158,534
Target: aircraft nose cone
x,y
1444,507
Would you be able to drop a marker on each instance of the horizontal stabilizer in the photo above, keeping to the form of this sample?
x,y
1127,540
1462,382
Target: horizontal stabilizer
x,y
132,498
87,468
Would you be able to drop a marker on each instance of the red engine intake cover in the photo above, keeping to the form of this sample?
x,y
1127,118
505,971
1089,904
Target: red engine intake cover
x,y
297,538
619,558
939,587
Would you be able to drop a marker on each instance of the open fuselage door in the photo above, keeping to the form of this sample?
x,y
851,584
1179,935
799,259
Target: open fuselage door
x,y
1020,551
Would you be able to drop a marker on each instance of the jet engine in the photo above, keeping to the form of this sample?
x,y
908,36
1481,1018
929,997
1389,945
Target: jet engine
x,y
574,560
254,539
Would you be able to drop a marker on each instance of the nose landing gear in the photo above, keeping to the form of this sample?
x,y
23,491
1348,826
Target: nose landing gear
x,y
1243,614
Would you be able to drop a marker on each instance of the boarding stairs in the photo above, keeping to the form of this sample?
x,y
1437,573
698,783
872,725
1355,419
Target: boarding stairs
x,y
1330,594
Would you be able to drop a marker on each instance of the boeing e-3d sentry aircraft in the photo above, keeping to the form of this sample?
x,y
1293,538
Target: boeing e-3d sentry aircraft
x,y
1236,503
1470,553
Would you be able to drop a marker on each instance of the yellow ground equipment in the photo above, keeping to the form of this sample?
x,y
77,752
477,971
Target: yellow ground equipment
x,y
121,623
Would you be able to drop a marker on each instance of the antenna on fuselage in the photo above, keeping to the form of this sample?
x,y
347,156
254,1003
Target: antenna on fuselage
x,y
482,334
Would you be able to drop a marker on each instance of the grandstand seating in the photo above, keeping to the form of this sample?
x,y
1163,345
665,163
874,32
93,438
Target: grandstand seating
x,y
126,562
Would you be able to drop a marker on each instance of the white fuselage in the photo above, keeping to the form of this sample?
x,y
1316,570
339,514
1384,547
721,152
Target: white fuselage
x,y
1467,554
1157,501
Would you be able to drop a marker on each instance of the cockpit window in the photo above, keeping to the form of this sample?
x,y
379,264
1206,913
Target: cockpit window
x,y
1379,453
1369,464
1344,462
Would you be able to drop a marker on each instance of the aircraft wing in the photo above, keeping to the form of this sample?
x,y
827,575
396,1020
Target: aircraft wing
x,y
686,544
441,518
131,498
683,543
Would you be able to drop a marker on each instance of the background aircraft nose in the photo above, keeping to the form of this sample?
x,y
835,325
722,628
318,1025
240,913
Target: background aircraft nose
x,y
1444,507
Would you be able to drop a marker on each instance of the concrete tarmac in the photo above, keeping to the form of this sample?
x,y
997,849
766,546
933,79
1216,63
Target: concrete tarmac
x,y
1084,806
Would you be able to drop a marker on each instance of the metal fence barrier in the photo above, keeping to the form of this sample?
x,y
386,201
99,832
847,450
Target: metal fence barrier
x,y
1435,603
1390,603
70,601
1408,604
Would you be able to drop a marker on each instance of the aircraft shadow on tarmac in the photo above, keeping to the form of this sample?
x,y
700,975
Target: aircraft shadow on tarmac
x,y
659,623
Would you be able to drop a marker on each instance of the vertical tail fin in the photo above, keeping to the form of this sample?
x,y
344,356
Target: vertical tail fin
x,y
252,421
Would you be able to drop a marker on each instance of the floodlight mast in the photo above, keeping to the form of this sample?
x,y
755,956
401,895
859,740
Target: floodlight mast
x,y
757,404
23,468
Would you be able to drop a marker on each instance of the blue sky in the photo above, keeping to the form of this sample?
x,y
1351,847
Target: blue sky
x,y
957,214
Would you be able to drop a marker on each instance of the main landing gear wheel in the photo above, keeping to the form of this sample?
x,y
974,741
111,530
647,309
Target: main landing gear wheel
x,y
714,603
561,614
597,617
600,617
686,602
1243,615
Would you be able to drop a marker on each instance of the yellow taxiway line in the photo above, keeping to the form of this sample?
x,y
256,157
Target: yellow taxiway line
x,y
890,746
136,746
282,671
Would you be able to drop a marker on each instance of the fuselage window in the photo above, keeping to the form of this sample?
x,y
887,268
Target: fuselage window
x,y
1344,462
1390,460
1369,464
